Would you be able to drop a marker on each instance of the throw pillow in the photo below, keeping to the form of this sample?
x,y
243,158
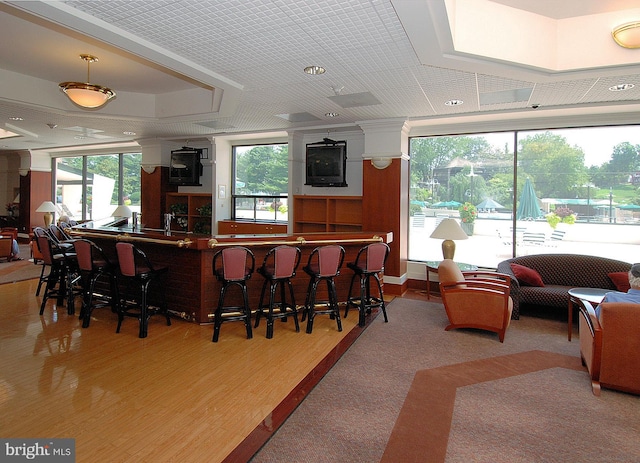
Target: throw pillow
x,y
526,276
620,280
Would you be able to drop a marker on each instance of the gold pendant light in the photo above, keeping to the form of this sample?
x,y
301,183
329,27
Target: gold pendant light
x,y
86,94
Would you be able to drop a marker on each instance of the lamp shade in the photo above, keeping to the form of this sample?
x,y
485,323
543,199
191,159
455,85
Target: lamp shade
x,y
449,229
122,211
47,206
627,35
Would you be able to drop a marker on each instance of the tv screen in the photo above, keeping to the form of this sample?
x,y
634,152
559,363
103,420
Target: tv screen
x,y
326,163
185,168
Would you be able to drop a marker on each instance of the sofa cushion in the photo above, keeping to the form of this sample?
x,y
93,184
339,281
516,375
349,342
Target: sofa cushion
x,y
620,280
549,295
526,276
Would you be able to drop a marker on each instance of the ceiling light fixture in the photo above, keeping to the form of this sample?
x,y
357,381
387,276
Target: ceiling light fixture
x,y
331,114
86,94
627,35
453,102
621,87
315,70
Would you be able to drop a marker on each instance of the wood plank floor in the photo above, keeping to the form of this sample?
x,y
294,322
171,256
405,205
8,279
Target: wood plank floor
x,y
173,396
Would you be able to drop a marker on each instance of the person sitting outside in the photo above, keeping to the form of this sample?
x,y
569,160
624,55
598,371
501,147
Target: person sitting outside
x,y
633,295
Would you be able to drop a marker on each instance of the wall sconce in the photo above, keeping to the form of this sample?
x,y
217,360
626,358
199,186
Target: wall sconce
x,y
148,168
627,35
381,163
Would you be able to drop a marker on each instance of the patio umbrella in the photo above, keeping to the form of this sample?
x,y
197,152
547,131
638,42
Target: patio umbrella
x,y
528,206
628,207
489,204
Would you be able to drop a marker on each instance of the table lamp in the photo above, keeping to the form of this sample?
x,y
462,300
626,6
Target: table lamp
x,y
449,230
49,209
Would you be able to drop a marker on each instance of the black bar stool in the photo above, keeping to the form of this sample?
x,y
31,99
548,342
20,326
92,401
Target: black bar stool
x,y
54,281
324,265
278,267
233,266
136,269
93,265
368,265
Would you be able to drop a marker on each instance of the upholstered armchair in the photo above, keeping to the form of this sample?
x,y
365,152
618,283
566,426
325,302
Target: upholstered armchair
x,y
475,299
610,345
6,243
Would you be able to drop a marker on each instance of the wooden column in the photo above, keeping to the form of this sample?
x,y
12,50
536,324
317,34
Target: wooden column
x,y
385,207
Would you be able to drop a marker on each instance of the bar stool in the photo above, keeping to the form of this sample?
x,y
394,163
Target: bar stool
x,y
54,280
278,267
368,265
66,276
94,264
37,232
233,266
136,268
324,265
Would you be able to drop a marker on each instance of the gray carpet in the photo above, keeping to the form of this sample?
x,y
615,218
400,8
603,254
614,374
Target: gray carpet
x,y
351,413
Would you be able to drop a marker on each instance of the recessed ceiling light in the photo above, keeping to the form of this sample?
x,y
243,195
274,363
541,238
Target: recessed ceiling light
x,y
16,118
621,87
332,114
453,102
315,70
79,137
128,133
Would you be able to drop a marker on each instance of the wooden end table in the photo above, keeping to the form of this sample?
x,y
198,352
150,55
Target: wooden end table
x,y
594,295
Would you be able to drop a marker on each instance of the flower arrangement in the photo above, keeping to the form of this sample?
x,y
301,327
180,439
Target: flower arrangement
x,y
468,213
561,214
11,208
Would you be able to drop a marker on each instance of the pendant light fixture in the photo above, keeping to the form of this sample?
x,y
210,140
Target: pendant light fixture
x,y
86,94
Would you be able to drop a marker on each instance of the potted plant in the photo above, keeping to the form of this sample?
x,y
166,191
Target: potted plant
x,y
468,214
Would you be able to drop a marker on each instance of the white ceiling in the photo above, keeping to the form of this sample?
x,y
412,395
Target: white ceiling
x,y
191,69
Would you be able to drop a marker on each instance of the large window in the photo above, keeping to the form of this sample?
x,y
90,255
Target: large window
x,y
91,187
576,191
261,181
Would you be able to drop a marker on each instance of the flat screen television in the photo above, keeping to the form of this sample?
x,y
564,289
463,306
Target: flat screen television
x,y
185,167
326,163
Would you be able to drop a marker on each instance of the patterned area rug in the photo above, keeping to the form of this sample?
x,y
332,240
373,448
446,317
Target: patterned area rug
x,y
408,391
10,272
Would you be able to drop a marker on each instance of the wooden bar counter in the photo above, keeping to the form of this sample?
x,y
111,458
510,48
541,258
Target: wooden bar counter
x,y
190,287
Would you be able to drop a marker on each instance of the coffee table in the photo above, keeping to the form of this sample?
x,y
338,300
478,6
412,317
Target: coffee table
x,y
594,295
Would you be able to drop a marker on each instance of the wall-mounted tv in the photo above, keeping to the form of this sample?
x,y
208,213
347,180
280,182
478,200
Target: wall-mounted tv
x,y
326,163
185,168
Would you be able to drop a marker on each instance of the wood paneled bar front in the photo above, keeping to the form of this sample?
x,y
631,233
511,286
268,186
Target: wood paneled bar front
x,y
192,290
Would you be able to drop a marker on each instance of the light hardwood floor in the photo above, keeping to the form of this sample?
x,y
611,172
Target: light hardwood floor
x,y
172,397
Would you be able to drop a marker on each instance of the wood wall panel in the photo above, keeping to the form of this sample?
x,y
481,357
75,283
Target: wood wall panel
x,y
154,189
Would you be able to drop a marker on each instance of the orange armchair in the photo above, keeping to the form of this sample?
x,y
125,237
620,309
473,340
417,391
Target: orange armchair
x,y
6,244
610,345
475,299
